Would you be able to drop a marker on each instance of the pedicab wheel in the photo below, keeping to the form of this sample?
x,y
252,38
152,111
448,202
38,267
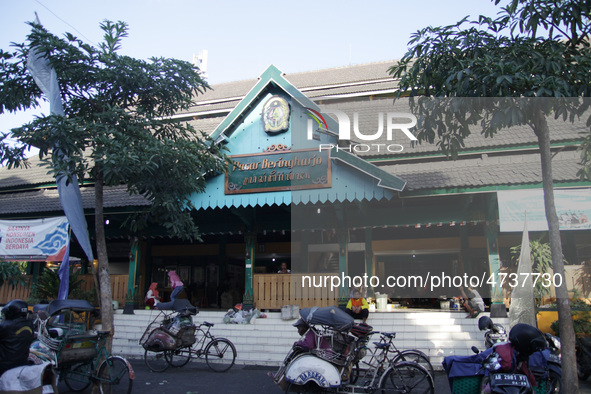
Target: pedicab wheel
x,y
415,356
220,354
114,376
77,378
156,361
179,357
309,387
407,377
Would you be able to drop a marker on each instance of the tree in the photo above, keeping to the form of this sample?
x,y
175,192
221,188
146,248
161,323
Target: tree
x,y
533,50
117,130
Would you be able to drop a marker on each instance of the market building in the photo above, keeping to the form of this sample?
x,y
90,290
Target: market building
x,y
376,205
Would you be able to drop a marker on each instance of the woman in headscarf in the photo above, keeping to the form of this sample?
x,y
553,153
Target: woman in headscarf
x,y
176,283
152,297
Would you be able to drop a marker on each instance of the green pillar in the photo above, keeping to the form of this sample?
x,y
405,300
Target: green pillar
x,y
132,277
248,298
369,258
134,265
343,253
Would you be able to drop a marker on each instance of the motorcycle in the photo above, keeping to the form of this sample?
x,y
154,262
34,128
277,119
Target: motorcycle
x,y
583,346
29,379
546,361
507,366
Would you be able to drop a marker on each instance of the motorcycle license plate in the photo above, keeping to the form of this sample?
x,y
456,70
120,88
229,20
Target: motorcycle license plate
x,y
554,358
510,379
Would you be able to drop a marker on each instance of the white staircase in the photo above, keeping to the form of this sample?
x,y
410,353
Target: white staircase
x,y
267,341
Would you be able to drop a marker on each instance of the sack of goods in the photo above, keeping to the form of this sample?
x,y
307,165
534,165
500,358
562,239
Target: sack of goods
x,y
187,335
160,340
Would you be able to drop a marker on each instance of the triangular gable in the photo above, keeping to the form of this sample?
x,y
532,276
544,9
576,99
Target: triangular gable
x,y
356,178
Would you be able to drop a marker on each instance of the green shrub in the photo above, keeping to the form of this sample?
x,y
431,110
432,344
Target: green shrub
x,y
48,283
11,273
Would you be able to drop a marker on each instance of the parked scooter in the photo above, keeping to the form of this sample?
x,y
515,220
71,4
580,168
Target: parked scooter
x,y
583,346
547,361
507,366
495,333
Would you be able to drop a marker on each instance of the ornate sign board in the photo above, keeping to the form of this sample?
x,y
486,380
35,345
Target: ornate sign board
x,y
278,171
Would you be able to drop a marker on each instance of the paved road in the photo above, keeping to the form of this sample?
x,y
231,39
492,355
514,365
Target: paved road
x,y
197,378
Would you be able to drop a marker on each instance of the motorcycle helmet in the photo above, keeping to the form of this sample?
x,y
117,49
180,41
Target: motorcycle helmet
x,y
526,339
15,309
485,323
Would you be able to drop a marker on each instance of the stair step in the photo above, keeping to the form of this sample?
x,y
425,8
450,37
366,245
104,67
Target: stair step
x,y
267,341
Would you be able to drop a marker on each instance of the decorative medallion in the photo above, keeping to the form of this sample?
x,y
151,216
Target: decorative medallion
x,y
276,115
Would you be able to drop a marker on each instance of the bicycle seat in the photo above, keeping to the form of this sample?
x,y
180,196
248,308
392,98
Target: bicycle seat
x,y
389,334
206,324
103,333
381,345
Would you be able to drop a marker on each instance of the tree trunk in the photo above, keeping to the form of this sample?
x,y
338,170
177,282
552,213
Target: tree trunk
x,y
570,380
104,279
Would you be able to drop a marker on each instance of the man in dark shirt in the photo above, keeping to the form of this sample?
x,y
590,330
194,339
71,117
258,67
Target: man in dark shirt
x,y
16,335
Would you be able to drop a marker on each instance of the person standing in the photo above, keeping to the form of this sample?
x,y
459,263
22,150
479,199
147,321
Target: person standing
x,y
284,269
177,285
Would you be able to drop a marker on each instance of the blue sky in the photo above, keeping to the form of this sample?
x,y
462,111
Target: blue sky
x,y
242,37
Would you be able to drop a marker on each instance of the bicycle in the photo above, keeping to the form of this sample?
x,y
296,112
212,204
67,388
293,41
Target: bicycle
x,y
382,352
322,369
79,356
191,342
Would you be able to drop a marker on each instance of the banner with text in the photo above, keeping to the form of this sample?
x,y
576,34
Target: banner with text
x,y
573,207
33,239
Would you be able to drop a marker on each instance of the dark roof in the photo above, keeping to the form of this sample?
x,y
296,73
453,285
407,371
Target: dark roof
x,y
47,200
340,81
510,158
486,170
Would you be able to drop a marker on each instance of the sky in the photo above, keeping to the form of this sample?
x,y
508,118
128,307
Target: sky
x,y
242,37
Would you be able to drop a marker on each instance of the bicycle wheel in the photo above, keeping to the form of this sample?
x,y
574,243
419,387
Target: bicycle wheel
x,y
179,357
554,383
77,378
407,377
114,376
415,356
220,354
156,361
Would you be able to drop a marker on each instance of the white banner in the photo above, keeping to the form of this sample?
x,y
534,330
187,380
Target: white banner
x,y
573,207
33,239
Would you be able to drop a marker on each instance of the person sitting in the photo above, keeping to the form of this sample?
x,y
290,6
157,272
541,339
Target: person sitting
x,y
152,296
357,307
284,269
472,301
309,338
16,335
177,285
